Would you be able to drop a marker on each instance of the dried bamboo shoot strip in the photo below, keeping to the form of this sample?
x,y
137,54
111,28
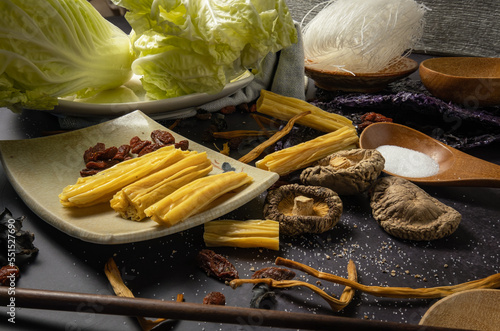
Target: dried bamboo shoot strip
x,y
132,200
244,234
303,155
102,186
284,108
193,197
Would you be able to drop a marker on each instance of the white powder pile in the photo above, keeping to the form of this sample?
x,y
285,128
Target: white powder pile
x,y
407,162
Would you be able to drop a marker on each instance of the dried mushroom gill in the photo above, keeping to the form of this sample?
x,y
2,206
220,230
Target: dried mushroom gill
x,y
406,211
346,172
303,209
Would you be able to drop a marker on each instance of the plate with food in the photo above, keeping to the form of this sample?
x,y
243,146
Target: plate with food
x,y
54,176
131,96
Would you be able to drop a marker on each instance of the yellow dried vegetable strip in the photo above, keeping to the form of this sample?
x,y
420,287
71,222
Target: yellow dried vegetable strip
x,y
102,186
284,108
244,234
212,240
254,153
162,177
133,206
303,155
335,304
194,197
121,290
132,200
492,281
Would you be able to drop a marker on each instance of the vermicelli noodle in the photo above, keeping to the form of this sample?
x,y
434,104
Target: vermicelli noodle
x,y
362,35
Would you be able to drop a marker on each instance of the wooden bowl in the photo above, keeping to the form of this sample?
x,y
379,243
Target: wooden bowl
x,y
331,80
467,81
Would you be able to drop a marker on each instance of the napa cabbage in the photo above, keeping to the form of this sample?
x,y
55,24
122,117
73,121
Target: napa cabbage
x,y
55,48
189,46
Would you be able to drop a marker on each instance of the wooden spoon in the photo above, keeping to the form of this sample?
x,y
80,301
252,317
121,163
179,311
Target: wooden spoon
x,y
455,167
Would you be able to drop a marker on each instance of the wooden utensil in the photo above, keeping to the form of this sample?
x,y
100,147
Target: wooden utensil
x,y
474,309
469,81
113,305
456,168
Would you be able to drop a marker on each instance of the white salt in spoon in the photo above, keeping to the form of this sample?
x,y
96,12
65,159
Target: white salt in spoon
x,y
456,168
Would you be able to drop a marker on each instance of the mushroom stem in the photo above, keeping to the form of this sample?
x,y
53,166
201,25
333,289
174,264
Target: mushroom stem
x,y
303,206
340,162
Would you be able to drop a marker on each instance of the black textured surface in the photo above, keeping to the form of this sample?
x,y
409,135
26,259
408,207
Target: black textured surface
x,y
161,268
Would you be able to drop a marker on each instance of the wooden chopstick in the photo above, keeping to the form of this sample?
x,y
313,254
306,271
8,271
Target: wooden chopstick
x,y
113,305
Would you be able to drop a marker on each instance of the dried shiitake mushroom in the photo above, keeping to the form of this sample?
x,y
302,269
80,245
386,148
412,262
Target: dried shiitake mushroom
x,y
346,172
406,211
303,209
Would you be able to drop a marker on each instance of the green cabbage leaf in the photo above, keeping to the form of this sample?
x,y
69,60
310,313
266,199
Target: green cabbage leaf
x,y
56,48
190,46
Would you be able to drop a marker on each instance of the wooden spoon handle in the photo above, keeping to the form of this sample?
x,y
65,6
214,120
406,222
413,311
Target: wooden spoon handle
x,y
476,172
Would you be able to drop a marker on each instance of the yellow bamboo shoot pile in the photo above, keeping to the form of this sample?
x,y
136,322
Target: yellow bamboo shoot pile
x,y
194,197
244,234
102,186
305,154
284,108
132,200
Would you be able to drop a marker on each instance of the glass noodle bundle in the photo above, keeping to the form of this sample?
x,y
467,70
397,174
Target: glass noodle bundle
x,y
363,36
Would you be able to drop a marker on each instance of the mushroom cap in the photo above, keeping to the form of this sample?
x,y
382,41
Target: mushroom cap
x,y
346,172
406,211
327,209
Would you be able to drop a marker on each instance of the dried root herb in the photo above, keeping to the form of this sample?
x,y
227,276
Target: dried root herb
x,y
254,153
121,290
335,304
492,281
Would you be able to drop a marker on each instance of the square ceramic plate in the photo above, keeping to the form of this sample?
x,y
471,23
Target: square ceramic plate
x,y
40,168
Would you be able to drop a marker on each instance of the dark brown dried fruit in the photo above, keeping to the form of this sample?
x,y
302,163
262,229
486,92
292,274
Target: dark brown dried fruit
x,y
183,145
216,265
123,153
91,153
99,157
137,144
107,154
162,137
8,274
149,148
214,298
274,273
